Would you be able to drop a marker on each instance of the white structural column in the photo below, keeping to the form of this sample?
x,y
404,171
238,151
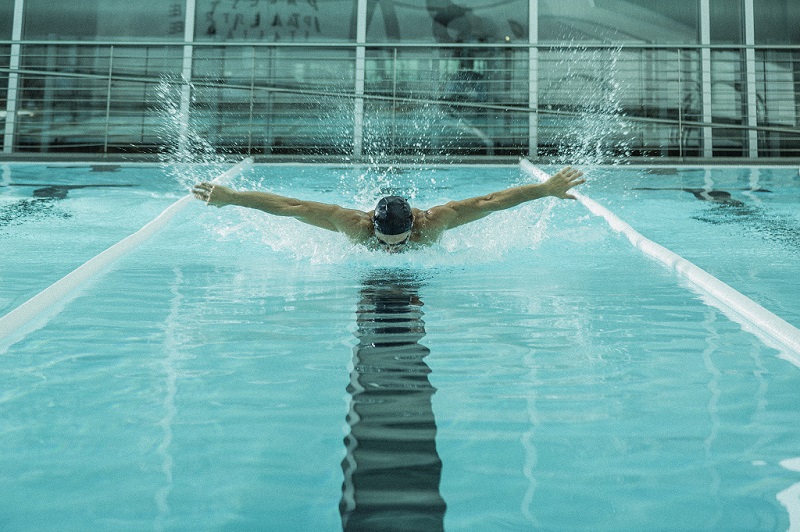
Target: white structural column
x,y
13,79
750,73
705,74
186,75
358,110
533,78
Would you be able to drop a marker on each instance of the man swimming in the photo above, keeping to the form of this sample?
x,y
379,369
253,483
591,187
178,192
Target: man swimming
x,y
394,225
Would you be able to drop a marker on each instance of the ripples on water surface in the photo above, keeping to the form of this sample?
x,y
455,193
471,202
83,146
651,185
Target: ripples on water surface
x,y
545,377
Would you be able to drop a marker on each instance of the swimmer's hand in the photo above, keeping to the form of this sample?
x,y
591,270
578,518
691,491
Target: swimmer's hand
x,y
559,184
212,194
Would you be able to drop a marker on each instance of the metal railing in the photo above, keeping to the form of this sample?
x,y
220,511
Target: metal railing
x,y
593,101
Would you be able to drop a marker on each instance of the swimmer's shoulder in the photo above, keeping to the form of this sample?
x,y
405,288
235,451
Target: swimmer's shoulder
x,y
428,224
356,225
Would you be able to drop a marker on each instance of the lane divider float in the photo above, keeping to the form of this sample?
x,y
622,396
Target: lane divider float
x,y
43,306
771,329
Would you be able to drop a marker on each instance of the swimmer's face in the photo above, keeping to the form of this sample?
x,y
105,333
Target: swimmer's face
x,y
393,243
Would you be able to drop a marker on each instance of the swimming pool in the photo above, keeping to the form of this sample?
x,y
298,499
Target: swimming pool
x,y
533,371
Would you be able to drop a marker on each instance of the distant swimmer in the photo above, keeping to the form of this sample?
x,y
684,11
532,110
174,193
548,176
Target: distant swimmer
x,y
714,196
393,225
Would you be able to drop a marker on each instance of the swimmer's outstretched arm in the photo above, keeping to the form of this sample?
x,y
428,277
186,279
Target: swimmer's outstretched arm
x,y
455,213
354,223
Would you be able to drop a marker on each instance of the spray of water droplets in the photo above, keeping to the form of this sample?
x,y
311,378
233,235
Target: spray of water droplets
x,y
186,153
593,129
582,90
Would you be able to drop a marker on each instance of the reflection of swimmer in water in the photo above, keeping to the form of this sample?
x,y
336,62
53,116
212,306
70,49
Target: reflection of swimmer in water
x,y
394,224
392,469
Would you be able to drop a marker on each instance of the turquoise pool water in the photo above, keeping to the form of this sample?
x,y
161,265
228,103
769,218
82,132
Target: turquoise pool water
x,y
533,371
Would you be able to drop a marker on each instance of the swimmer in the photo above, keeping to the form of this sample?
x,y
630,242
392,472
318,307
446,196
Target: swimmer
x,y
394,225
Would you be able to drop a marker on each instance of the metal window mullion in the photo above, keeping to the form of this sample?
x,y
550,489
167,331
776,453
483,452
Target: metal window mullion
x,y
358,110
48,101
108,98
679,103
705,75
750,74
186,75
394,101
13,79
533,78
252,102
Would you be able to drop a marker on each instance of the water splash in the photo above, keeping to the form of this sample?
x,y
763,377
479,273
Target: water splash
x,y
406,117
416,129
488,240
186,153
587,96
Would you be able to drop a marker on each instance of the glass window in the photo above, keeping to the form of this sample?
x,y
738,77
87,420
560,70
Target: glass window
x,y
387,20
777,22
273,20
726,20
623,21
104,19
6,19
445,21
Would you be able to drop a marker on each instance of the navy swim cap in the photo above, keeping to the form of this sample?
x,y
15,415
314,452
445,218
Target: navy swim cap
x,y
393,216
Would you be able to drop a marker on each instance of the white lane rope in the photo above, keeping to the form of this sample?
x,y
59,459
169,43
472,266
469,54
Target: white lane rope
x,y
47,303
769,328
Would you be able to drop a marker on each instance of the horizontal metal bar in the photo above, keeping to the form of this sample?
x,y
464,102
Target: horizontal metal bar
x,y
572,45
